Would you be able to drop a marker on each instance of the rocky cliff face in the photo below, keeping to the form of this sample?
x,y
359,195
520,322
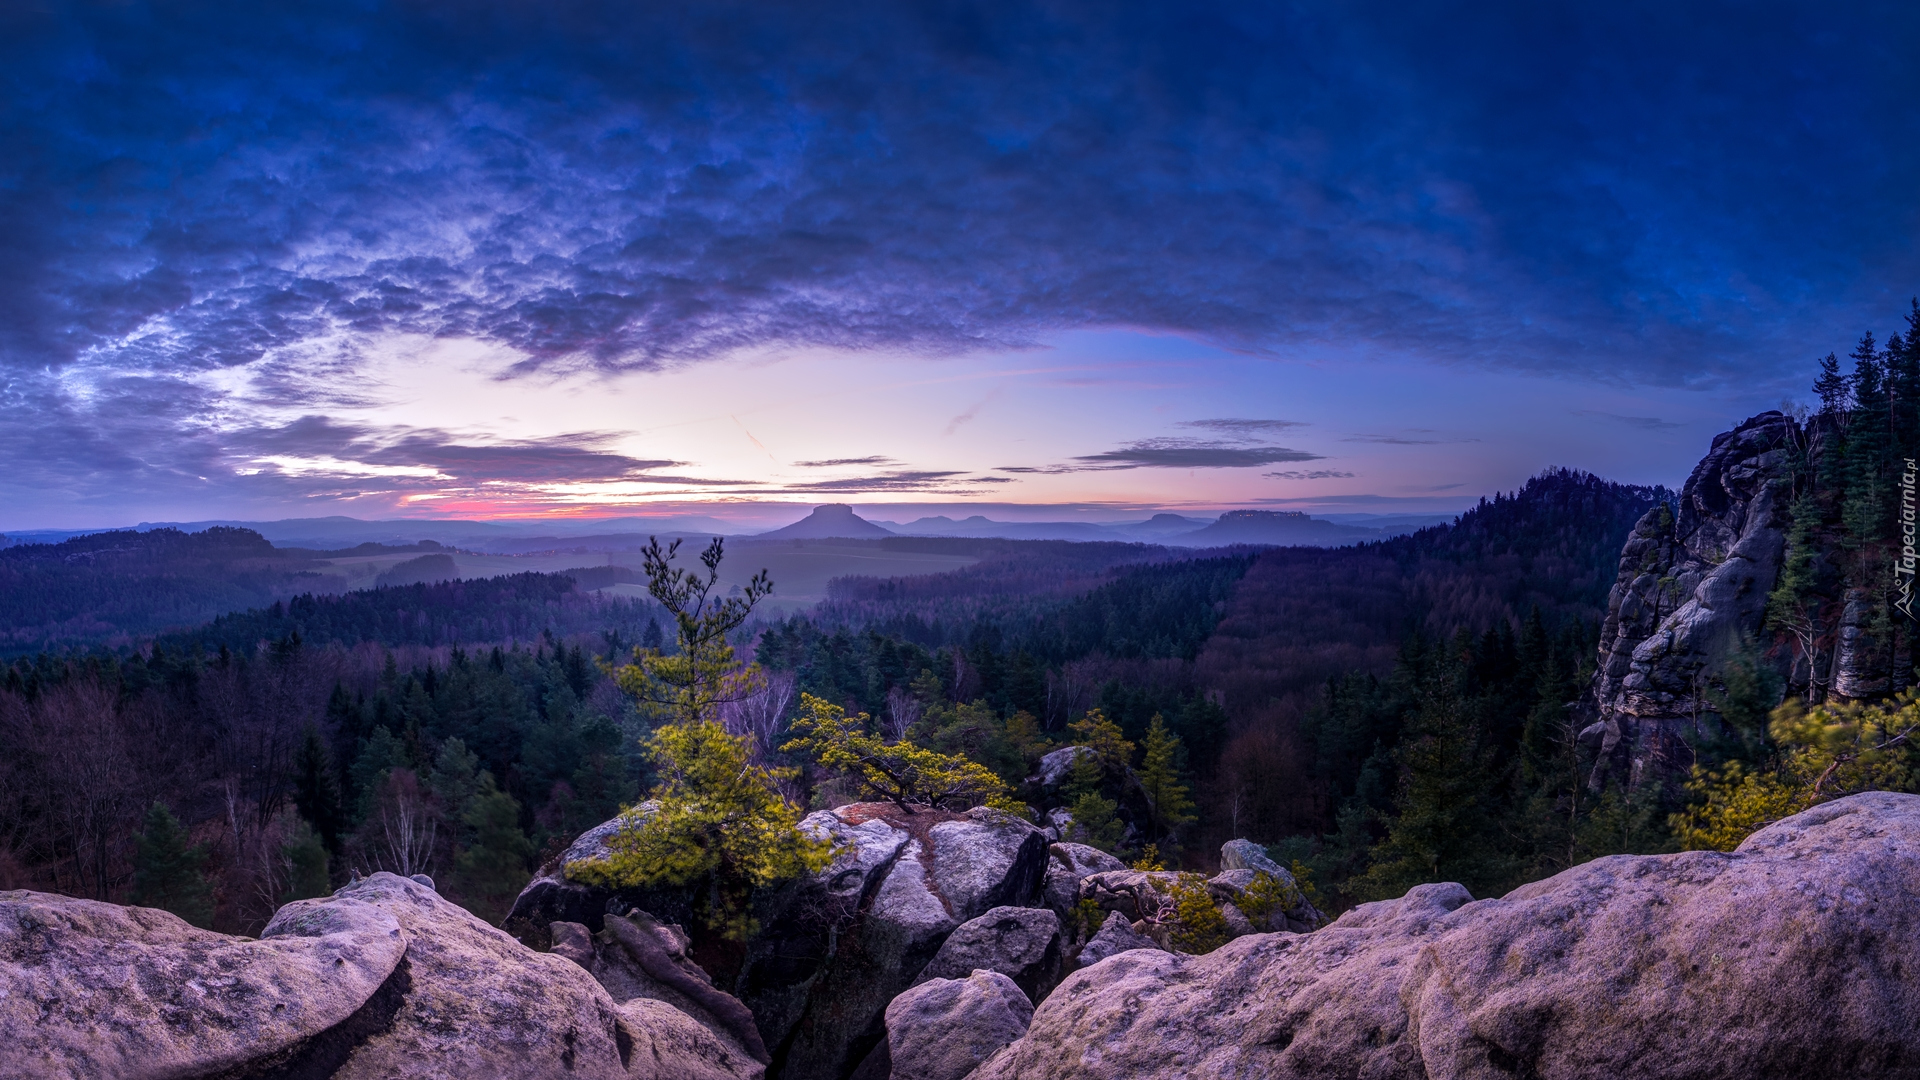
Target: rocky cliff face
x,y
1691,593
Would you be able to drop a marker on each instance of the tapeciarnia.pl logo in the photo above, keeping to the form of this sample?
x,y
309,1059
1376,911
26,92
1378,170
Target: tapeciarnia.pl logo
x,y
1903,563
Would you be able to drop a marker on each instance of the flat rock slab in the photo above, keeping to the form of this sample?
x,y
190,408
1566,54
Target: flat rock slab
x,y
1796,955
91,989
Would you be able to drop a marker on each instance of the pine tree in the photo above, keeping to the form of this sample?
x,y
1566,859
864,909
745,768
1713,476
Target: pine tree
x,y
307,863
1441,823
379,755
492,869
1831,386
1160,778
1096,821
168,869
316,790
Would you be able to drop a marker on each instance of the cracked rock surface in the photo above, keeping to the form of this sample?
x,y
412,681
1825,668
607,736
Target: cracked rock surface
x,y
383,979
1795,955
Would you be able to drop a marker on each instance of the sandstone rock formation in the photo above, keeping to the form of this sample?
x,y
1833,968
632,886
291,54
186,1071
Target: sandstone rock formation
x,y
836,948
1055,766
637,958
832,948
1020,943
382,979
1692,588
94,989
942,1030
1145,896
1116,935
1247,855
1791,956
1068,865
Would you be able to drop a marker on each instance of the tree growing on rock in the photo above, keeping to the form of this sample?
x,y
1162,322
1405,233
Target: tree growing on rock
x,y
899,772
715,819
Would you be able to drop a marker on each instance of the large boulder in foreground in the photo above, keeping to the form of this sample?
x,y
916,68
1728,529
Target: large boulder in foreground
x,y
1020,943
382,979
943,1029
1795,955
93,989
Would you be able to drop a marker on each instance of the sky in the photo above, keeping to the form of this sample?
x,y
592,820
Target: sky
x,y
587,259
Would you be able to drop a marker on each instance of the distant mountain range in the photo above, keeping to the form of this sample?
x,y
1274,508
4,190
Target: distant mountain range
x,y
1282,528
623,534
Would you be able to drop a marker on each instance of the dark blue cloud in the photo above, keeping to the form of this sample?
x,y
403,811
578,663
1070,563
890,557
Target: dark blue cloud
x,y
1676,194
1656,190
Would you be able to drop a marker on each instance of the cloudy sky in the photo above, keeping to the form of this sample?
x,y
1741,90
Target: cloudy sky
x,y
289,259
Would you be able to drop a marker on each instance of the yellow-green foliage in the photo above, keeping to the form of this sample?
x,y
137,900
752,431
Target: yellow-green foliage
x,y
1199,927
1109,744
1825,753
1303,878
900,772
1088,915
1149,859
716,817
1026,738
1265,898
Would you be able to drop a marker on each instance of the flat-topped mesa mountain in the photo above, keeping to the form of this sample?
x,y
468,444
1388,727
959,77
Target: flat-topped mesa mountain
x,y
834,521
1282,528
1692,600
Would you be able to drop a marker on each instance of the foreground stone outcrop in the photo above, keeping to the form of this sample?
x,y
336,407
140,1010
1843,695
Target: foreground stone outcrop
x,y
835,948
1796,955
832,948
94,989
382,979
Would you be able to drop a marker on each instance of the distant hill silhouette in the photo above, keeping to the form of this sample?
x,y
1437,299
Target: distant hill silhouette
x,y
1282,528
832,521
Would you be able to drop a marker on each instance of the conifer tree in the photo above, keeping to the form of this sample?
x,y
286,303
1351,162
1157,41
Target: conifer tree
x,y
702,675
168,869
1160,778
1438,831
316,790
1831,386
307,863
715,819
491,869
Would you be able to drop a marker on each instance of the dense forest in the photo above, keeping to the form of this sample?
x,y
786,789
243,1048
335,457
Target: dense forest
x,y
294,764
506,610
